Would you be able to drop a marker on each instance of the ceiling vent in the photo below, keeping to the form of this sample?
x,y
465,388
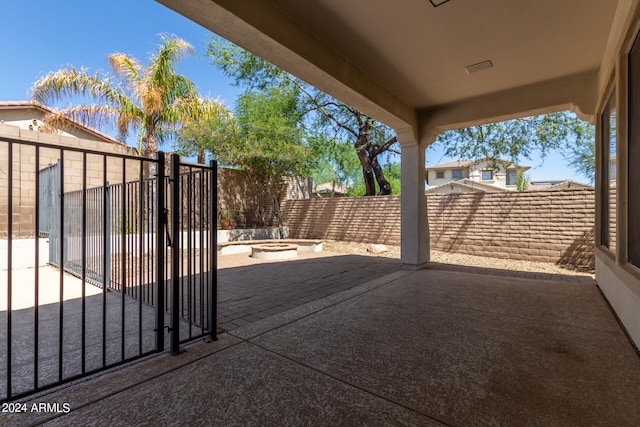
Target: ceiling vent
x,y
484,65
437,3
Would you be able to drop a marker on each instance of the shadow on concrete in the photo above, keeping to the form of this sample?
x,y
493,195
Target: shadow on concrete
x,y
440,346
529,275
255,291
580,253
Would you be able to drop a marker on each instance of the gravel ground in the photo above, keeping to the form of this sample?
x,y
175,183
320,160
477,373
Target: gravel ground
x,y
452,258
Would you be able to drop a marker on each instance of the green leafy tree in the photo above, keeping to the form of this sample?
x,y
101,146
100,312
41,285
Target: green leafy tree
x,y
265,138
153,100
582,158
522,181
516,139
333,119
391,172
337,163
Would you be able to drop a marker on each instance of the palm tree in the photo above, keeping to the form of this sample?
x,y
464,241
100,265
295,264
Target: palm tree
x,y
154,101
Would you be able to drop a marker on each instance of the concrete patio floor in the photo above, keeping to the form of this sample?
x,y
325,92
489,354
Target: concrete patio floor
x,y
444,346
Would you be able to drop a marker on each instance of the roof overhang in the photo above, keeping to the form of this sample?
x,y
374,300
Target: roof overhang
x,y
405,63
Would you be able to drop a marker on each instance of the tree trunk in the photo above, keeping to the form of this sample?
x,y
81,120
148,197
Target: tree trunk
x,y
149,146
149,150
275,198
200,156
385,187
369,180
367,172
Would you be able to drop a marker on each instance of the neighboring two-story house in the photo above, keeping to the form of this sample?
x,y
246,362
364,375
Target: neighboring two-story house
x,y
464,176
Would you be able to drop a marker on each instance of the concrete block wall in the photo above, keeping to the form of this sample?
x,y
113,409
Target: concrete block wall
x,y
25,169
358,219
548,226
236,190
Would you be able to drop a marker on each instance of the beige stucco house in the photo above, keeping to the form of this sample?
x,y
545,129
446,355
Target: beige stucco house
x,y
555,184
29,115
423,69
329,189
464,176
23,121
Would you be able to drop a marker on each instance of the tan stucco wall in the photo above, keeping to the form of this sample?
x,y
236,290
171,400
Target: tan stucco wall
x,y
474,172
499,174
25,170
448,189
23,118
448,176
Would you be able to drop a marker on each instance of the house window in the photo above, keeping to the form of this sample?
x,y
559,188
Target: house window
x,y
633,159
511,177
456,174
608,188
487,175
440,175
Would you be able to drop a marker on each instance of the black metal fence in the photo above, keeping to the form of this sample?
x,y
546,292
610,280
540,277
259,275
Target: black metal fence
x,y
49,188
131,260
90,245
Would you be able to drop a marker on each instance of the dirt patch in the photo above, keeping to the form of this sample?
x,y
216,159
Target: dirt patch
x,y
453,258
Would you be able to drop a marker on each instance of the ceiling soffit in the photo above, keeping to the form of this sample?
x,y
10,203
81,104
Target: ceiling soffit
x,y
420,52
383,56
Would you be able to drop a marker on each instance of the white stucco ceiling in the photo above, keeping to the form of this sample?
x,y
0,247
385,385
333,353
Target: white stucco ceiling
x,y
419,52
400,60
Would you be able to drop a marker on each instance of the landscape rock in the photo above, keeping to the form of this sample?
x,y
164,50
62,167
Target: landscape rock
x,y
377,249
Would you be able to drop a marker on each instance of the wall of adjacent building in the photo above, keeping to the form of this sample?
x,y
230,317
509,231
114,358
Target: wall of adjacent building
x,y
25,169
499,173
434,181
31,118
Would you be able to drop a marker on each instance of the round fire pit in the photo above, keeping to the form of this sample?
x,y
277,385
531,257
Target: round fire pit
x,y
274,251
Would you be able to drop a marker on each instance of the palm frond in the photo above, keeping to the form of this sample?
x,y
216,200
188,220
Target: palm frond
x,y
128,119
96,116
126,68
163,63
151,99
110,101
68,82
155,101
178,86
189,110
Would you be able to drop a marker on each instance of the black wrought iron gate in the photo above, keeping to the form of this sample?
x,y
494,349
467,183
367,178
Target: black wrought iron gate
x,y
134,243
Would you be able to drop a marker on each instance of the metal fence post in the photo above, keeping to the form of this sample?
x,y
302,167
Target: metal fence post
x,y
9,269
213,249
107,233
175,201
160,226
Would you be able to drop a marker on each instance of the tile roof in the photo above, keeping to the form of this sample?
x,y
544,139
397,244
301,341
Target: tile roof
x,y
555,184
460,163
463,163
470,184
12,105
327,187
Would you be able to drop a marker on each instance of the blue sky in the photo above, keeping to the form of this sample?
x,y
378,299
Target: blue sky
x,y
40,36
47,35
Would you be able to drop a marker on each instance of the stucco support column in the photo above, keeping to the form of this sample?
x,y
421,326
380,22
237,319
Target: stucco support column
x,y
414,249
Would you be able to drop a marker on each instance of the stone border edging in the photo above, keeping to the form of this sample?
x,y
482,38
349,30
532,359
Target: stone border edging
x,y
244,246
